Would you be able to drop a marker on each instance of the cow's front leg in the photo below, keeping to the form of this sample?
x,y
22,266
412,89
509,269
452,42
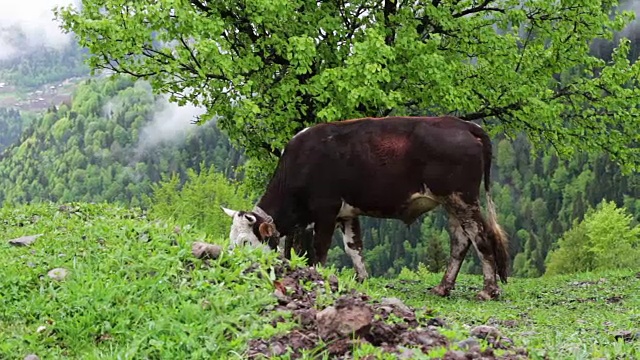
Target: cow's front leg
x,y
322,237
352,238
300,241
459,245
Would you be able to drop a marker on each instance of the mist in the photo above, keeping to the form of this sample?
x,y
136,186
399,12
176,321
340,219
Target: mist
x,y
25,25
171,123
632,28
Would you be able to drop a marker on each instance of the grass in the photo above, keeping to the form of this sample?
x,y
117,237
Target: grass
x,y
560,317
134,291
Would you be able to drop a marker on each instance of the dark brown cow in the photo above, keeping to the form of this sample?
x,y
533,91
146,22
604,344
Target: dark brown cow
x,y
393,167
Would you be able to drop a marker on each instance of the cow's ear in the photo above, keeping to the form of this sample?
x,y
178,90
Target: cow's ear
x,y
229,212
266,230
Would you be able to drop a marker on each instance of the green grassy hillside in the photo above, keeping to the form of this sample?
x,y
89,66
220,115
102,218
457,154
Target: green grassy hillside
x,y
133,290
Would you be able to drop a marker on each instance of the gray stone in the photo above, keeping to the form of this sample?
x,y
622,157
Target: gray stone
x,y
483,331
344,321
24,240
58,274
202,250
469,344
396,303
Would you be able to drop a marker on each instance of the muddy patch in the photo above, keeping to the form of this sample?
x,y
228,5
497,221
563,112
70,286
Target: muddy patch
x,y
331,321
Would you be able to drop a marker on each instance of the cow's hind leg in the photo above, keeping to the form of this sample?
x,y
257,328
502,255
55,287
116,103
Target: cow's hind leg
x,y
352,238
475,230
480,240
459,245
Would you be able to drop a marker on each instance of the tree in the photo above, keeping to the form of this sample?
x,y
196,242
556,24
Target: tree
x,y
605,239
268,68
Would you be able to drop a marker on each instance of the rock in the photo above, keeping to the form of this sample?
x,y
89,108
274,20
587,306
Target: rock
x,y
24,240
407,353
492,335
343,321
278,349
614,299
58,274
31,357
282,298
455,355
202,250
306,317
626,336
425,339
436,322
469,344
484,331
396,303
333,283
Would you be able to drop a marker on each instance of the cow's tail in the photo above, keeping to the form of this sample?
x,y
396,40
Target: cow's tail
x,y
497,236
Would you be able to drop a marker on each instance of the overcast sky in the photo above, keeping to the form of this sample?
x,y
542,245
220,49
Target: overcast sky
x,y
35,18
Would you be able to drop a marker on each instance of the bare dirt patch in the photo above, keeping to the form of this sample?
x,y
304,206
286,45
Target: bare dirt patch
x,y
354,317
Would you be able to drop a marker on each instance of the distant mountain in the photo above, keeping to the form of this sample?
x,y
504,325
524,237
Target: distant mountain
x,y
34,67
41,77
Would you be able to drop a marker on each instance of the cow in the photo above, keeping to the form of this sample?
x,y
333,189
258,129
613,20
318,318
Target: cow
x,y
392,167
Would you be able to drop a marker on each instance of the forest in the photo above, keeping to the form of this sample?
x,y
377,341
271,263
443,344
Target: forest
x,y
39,66
96,147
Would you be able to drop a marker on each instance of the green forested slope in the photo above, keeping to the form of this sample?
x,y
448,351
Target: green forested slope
x,y
11,125
40,66
91,150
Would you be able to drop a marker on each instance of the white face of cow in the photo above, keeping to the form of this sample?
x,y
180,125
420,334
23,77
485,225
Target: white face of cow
x,y
245,229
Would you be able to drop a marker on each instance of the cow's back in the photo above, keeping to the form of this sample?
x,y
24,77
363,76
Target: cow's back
x,y
378,162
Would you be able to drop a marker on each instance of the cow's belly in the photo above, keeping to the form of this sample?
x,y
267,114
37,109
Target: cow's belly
x,y
418,204
405,208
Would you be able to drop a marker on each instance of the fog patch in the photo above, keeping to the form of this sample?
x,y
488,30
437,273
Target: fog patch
x,y
29,25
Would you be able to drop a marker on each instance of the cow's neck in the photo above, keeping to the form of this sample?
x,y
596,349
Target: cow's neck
x,y
275,208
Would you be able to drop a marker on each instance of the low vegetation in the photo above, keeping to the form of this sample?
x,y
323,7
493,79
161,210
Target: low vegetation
x,y
131,288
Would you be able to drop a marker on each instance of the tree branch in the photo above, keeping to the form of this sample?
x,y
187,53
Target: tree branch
x,y
477,9
201,6
191,54
389,10
489,112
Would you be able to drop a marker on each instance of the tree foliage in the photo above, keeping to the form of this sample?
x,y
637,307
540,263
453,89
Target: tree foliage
x,y
605,239
196,200
11,124
269,68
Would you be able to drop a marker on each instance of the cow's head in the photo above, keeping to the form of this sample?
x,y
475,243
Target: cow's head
x,y
250,228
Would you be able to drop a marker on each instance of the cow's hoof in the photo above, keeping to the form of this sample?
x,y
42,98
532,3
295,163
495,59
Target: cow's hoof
x,y
440,291
488,294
